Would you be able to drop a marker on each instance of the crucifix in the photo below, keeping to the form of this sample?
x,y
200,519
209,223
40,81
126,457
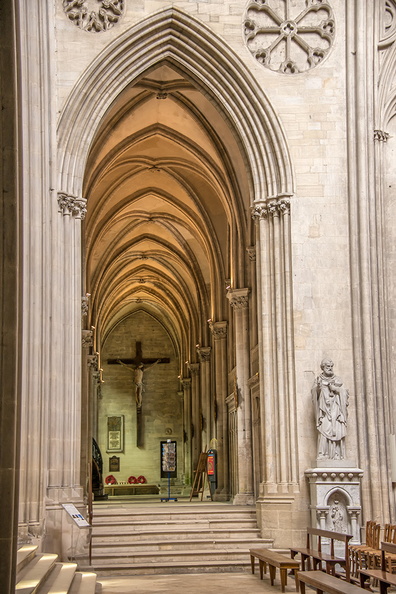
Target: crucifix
x,y
140,366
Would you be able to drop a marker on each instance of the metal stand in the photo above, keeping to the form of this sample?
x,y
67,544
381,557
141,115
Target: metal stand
x,y
169,498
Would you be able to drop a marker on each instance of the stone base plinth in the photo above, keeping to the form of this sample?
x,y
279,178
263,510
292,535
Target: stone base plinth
x,y
335,497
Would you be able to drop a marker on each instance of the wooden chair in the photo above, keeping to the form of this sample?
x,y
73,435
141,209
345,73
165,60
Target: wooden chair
x,y
359,554
376,556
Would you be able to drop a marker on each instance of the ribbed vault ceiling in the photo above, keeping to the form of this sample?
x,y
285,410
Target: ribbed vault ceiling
x,y
168,200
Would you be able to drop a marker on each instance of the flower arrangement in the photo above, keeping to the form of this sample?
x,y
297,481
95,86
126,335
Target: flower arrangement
x,y
136,481
110,480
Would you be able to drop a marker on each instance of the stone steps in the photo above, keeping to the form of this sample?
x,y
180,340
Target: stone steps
x,y
43,574
142,539
174,533
174,545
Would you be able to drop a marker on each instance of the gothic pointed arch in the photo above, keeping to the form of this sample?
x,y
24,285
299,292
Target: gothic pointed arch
x,y
172,35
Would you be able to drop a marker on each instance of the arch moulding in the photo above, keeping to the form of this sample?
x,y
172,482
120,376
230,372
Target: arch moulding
x,y
184,42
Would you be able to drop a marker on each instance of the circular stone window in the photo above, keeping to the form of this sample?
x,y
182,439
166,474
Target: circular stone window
x,y
289,36
94,16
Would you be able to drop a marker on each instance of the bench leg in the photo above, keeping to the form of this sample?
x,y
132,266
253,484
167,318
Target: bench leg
x,y
301,586
252,562
263,568
272,572
283,578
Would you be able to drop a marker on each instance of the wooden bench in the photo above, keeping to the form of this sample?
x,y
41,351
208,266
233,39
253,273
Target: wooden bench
x,y
274,560
384,577
323,582
318,557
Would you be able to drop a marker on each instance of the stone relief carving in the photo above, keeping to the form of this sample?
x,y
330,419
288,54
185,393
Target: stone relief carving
x,y
274,207
381,135
87,338
289,36
330,399
204,353
83,15
218,329
72,206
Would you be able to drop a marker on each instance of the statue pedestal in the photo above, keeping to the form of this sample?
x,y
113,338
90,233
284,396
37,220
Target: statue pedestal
x,y
335,487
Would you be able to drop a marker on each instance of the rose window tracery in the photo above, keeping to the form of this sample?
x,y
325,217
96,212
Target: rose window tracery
x,y
94,16
289,36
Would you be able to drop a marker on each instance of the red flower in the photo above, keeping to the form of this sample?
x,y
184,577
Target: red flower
x,y
110,480
141,479
132,480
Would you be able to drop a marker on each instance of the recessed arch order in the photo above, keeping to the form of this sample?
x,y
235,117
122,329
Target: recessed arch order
x,y
190,46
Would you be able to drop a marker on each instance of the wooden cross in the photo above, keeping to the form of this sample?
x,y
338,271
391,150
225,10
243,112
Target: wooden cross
x,y
138,362
138,359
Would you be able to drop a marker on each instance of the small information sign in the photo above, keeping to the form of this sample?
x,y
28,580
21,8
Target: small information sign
x,y
76,515
168,459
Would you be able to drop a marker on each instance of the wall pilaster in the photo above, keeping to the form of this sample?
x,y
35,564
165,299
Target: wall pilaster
x,y
239,301
219,333
196,413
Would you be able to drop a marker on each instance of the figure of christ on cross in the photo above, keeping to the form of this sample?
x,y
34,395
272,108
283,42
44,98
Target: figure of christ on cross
x,y
140,366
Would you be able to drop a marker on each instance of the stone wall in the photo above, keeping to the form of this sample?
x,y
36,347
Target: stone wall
x,y
162,406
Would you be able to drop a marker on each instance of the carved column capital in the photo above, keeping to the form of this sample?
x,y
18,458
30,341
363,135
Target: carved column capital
x,y
251,250
274,206
194,368
72,206
218,329
238,298
87,338
259,210
204,353
92,361
186,383
85,304
381,135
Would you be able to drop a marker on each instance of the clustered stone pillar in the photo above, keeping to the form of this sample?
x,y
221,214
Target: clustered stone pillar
x,y
196,413
239,301
279,481
9,303
219,333
186,383
204,358
64,431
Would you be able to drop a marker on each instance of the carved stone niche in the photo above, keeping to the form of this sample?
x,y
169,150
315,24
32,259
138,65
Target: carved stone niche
x,y
335,500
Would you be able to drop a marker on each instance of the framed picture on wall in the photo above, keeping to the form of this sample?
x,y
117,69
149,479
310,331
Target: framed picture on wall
x,y
115,433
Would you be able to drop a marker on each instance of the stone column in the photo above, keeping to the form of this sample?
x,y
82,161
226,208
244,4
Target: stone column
x,y
239,302
196,413
206,396
219,333
86,399
276,365
10,220
65,410
253,323
36,127
186,383
370,329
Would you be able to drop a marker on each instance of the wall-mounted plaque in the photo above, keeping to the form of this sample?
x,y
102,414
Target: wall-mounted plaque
x,y
115,433
114,464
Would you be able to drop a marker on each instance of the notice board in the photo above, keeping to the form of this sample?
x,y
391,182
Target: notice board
x,y
168,459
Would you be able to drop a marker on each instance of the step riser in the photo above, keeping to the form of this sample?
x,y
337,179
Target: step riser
x,y
176,546
171,558
170,525
168,570
175,536
177,517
